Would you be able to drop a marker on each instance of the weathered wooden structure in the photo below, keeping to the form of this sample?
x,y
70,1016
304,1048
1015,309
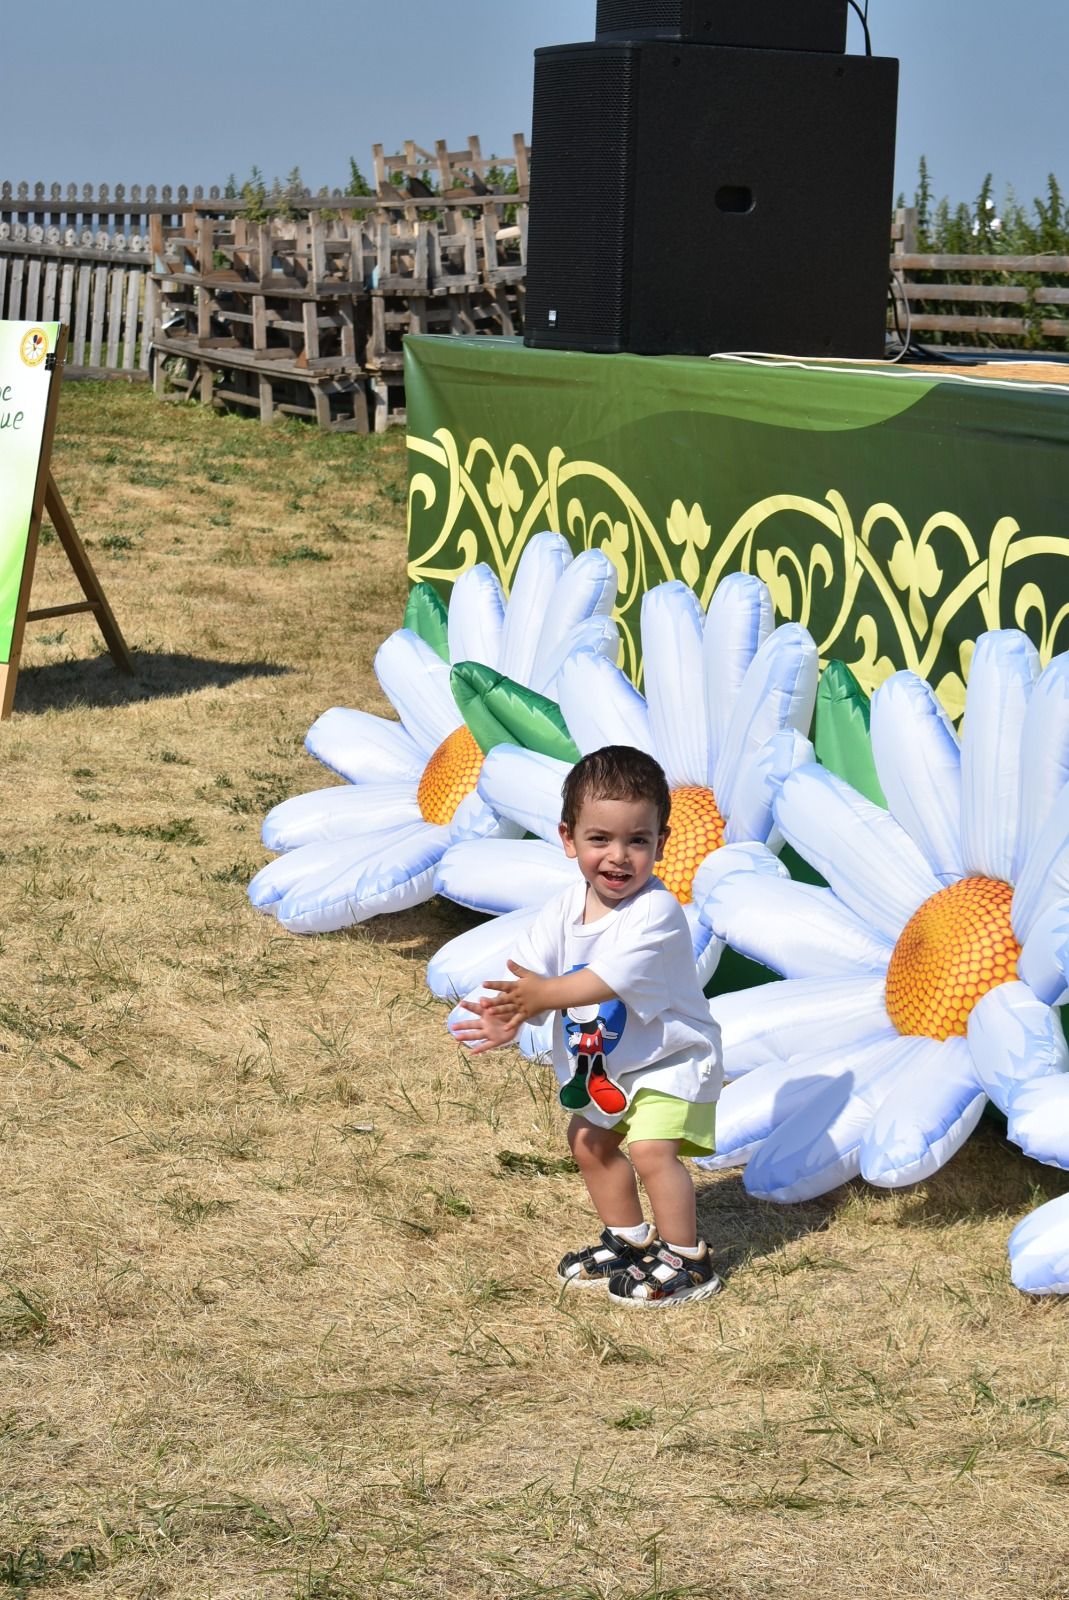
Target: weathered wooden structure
x,y
305,313
962,296
307,316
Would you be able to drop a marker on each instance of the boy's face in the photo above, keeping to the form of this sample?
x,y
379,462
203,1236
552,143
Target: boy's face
x,y
616,843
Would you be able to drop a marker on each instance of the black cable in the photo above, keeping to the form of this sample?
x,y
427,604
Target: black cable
x,y
864,23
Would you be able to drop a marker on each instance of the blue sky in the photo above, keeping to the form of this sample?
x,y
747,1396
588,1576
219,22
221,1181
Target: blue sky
x,y
126,92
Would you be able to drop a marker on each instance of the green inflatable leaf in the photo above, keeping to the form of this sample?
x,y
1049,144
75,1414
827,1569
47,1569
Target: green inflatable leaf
x,y
499,711
426,614
841,733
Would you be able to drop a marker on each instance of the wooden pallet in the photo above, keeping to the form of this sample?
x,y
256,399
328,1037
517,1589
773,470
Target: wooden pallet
x,y
297,314
228,375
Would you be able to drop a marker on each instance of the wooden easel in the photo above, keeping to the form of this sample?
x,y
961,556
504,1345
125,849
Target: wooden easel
x,y
47,497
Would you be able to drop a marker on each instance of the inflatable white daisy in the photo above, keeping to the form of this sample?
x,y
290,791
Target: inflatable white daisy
x,y
726,698
1038,1120
1039,1250
372,845
925,978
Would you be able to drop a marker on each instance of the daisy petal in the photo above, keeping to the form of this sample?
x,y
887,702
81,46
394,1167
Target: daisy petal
x,y
273,882
476,617
598,635
398,876
766,1023
474,819
319,863
1044,959
1044,879
1039,1250
1044,753
526,786
857,847
468,960
753,1106
535,1043
363,748
587,589
919,765
545,559
707,948
415,680
600,706
1013,1039
739,620
749,857
793,928
672,622
348,811
819,1147
1039,1119
761,774
778,691
1004,667
499,875
926,1116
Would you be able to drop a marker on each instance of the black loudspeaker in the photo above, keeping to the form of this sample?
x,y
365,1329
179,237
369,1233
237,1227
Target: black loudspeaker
x,y
749,24
687,199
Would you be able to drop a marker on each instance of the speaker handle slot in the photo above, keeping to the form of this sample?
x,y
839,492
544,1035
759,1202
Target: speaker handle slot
x,y
734,198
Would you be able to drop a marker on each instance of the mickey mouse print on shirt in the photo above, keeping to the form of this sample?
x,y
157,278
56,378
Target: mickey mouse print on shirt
x,y
591,1033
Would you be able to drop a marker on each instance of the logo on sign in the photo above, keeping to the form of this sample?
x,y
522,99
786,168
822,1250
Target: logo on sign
x,y
34,347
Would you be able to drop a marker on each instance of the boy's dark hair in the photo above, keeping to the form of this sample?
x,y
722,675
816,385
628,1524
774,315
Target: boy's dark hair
x,y
616,772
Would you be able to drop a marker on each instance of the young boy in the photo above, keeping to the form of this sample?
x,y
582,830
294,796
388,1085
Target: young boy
x,y
634,1046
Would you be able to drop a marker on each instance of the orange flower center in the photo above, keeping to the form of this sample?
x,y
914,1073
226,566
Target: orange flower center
x,y
954,948
449,777
697,830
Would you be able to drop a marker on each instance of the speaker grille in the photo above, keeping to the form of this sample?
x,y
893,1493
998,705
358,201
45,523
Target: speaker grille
x,y
638,16
578,250
745,24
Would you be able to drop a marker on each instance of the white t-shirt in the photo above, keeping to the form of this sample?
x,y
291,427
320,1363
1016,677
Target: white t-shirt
x,y
659,1034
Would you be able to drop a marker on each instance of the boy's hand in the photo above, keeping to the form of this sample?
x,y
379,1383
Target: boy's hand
x,y
490,1031
522,998
528,995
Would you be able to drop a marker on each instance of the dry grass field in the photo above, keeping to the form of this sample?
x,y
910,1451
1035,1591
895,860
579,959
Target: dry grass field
x,y
277,1313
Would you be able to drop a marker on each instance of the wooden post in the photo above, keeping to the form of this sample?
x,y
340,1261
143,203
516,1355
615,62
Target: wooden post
x,y
95,599
519,146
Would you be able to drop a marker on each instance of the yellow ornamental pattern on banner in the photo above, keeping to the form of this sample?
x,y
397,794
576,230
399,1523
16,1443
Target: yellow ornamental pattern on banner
x,y
873,591
955,947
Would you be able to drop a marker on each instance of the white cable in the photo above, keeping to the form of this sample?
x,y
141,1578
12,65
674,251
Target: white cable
x,y
846,366
898,282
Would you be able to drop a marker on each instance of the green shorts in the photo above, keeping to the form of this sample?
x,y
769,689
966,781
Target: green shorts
x,y
653,1115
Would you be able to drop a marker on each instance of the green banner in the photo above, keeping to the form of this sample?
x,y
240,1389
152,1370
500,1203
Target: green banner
x,y
897,514
25,376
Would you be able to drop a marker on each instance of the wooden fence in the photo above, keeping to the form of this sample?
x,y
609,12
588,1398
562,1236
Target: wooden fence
x,y
81,256
961,297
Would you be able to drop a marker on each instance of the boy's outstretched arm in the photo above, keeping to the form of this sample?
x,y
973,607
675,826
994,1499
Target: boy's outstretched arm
x,y
490,1031
527,994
